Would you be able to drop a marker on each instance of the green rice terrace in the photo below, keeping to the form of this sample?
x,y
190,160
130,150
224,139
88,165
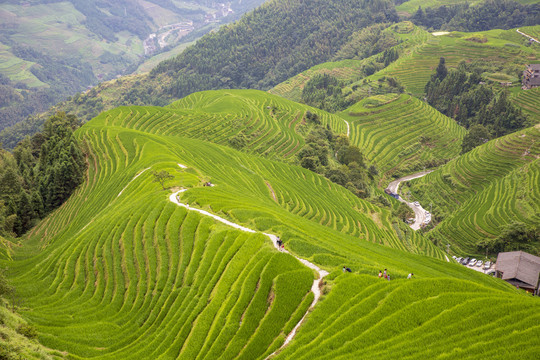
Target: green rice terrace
x,y
248,119
529,102
473,206
351,71
401,134
504,47
121,272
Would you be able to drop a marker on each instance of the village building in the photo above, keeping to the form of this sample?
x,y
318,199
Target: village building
x,y
519,269
531,76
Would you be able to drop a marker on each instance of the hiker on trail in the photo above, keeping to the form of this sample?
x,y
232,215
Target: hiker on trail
x,y
279,242
344,269
384,274
380,274
388,277
410,275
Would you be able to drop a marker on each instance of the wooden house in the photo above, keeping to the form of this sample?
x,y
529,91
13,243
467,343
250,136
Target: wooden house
x,y
531,76
519,269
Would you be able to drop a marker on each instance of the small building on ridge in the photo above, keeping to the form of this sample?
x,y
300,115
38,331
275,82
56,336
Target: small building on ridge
x,y
519,269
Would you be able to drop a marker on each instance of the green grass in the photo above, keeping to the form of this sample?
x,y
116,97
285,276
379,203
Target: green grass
x,y
403,135
121,272
479,193
367,318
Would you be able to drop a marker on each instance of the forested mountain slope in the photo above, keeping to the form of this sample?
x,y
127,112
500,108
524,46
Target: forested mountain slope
x,y
53,49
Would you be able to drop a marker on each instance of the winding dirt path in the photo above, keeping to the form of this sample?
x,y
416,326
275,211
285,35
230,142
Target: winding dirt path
x,y
348,128
419,212
136,176
314,288
528,36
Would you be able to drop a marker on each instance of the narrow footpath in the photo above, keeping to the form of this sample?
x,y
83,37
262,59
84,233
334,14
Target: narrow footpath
x,y
273,238
528,36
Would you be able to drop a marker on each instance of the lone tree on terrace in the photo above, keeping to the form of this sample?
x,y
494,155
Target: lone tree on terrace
x,y
161,177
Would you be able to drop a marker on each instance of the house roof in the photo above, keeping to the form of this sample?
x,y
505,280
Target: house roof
x,y
534,67
534,81
519,265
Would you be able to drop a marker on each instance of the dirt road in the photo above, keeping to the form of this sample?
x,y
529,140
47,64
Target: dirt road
x,y
419,212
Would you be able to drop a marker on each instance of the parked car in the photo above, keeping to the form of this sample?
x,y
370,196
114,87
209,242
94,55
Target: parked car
x,y
472,262
487,265
454,257
491,272
479,263
459,259
465,261
416,203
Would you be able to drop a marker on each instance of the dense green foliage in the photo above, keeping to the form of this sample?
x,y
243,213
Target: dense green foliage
x,y
325,92
333,156
276,41
462,95
40,175
486,15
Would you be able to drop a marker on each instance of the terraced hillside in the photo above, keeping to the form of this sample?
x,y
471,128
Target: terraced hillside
x,y
367,318
121,272
529,102
350,71
505,47
476,195
401,134
249,119
345,70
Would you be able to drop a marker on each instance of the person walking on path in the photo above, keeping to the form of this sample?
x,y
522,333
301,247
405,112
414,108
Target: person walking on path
x,y
410,275
385,274
388,277
380,274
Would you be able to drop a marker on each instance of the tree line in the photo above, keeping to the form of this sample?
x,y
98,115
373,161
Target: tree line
x,y
269,45
40,174
490,14
462,95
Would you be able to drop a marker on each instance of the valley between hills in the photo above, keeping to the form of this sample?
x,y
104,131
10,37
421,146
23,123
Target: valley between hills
x,y
248,210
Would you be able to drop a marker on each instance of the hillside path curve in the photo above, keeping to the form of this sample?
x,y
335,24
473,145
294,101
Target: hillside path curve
x,y
528,36
314,288
419,212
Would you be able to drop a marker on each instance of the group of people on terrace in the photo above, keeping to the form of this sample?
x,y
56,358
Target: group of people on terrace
x,y
384,274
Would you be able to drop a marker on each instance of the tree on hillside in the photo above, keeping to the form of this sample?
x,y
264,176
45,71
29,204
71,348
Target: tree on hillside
x,y
441,71
161,177
477,135
514,236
